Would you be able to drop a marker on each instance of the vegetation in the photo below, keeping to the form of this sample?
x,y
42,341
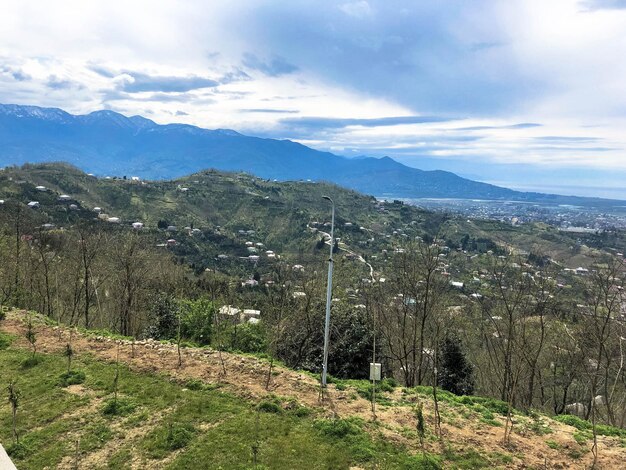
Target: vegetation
x,y
455,307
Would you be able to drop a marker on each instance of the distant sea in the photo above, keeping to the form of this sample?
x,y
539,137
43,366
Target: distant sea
x,y
607,192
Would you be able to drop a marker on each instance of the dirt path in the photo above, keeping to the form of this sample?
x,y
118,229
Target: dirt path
x,y
246,377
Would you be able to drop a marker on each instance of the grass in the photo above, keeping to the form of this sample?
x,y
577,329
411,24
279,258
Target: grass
x,y
72,377
5,340
586,427
190,422
365,389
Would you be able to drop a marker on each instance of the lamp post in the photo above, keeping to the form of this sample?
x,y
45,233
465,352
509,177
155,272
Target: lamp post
x,y
329,289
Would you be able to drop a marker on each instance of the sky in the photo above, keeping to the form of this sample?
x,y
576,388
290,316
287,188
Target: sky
x,y
528,94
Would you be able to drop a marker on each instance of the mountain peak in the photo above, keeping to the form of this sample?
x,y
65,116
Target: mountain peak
x,y
35,112
229,132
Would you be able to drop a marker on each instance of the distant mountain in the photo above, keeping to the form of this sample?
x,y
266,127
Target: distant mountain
x,y
108,143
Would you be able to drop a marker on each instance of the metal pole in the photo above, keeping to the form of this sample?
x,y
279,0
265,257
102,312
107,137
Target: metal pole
x,y
329,289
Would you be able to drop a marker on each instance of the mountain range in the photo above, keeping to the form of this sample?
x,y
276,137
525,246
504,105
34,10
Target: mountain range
x,y
108,143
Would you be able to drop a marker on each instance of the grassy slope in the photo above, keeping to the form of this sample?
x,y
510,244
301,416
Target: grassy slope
x,y
184,418
53,421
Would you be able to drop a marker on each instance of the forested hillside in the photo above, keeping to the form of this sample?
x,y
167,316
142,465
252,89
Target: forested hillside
x,y
528,316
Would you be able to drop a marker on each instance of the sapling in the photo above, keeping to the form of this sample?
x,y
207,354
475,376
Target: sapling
x,y
116,379
69,353
31,336
256,444
14,400
421,428
180,357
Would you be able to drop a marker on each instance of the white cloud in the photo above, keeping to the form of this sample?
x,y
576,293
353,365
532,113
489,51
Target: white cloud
x,y
489,65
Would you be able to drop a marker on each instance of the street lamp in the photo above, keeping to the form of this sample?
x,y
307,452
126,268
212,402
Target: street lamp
x,y
329,289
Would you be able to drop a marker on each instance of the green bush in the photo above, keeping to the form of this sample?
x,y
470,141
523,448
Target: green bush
x,y
72,377
19,451
196,320
269,407
179,435
31,361
423,462
5,340
574,421
119,407
302,411
247,338
339,428
195,384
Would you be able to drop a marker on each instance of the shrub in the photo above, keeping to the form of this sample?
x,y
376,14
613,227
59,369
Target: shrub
x,y
5,340
195,384
72,377
339,428
119,407
19,451
574,421
553,444
167,439
248,338
179,435
31,361
196,320
423,461
269,407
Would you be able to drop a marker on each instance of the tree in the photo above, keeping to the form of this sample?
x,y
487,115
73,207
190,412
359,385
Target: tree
x,y
455,371
14,400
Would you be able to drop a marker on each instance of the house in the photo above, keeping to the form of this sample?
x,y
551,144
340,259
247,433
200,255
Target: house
x,y
73,207
113,220
171,242
249,314
229,313
250,283
171,228
97,209
135,178
40,188
137,225
64,198
34,204
254,258
458,285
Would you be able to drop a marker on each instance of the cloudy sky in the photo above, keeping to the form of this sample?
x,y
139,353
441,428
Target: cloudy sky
x,y
527,93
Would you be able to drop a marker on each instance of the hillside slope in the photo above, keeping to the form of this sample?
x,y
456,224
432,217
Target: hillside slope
x,y
108,143
298,429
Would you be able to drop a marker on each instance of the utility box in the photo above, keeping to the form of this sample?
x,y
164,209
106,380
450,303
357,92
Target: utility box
x,y
375,371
